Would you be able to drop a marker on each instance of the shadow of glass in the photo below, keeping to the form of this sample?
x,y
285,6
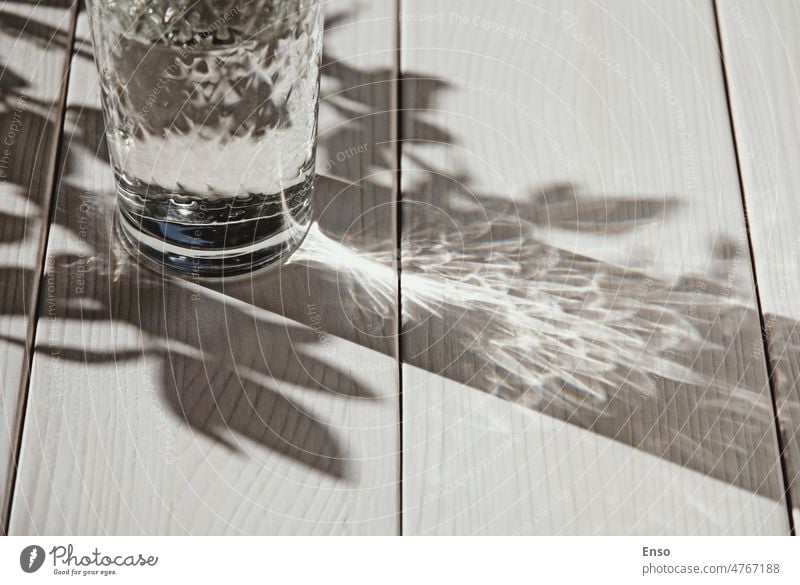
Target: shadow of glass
x,y
784,356
610,349
485,303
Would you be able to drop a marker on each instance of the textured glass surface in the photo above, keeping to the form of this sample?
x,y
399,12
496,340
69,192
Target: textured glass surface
x,y
211,117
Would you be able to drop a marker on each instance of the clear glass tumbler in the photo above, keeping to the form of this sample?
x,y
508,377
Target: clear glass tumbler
x,y
211,119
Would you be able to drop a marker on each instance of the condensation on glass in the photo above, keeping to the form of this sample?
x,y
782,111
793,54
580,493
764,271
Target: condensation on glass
x,y
211,120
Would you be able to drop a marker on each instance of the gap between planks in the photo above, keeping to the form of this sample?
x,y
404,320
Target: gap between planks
x,y
51,155
751,251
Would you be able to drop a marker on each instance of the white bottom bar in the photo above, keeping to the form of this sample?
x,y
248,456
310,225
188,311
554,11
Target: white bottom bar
x,y
350,561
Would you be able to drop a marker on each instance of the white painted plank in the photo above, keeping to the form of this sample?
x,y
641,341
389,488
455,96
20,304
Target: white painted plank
x,y
34,55
162,407
574,242
762,56
540,475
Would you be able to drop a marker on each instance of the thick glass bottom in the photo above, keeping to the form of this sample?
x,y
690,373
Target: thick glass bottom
x,y
211,239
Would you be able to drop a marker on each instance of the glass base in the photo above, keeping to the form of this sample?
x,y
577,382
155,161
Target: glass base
x,y
207,239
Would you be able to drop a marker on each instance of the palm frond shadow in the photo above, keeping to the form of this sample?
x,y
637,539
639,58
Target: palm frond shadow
x,y
486,303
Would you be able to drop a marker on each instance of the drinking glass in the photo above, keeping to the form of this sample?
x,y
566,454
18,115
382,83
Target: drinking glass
x,y
211,119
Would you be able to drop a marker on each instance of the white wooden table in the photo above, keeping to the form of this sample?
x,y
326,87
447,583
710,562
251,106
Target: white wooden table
x,y
553,288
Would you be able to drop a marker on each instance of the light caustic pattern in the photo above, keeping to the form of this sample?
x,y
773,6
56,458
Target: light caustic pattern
x,y
556,327
552,330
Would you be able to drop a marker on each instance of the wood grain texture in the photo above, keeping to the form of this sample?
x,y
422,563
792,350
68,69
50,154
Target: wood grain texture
x,y
160,406
574,250
762,56
34,55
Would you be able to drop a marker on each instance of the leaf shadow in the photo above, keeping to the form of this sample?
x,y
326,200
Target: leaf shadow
x,y
610,349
